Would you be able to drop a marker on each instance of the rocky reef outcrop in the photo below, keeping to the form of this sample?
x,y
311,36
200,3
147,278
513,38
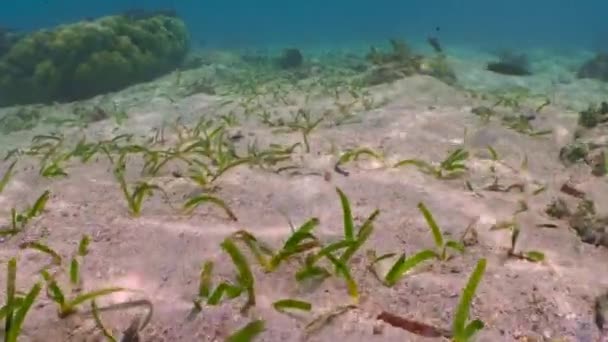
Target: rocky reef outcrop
x,y
80,60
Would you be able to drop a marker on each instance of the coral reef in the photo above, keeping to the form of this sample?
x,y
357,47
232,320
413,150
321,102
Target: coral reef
x,y
596,68
84,59
510,64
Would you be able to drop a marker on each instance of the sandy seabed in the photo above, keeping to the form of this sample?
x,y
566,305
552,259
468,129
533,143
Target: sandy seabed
x,y
160,253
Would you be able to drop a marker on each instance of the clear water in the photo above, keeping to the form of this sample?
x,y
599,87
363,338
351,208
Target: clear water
x,y
518,23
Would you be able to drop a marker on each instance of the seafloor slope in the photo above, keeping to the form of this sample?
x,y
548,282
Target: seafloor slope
x,y
160,252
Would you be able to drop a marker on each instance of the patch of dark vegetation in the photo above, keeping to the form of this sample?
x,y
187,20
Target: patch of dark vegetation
x,y
484,112
590,153
573,153
595,68
510,63
593,115
589,143
519,116
558,209
584,220
291,58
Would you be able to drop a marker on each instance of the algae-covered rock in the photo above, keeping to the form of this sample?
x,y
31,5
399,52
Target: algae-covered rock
x,y
573,153
84,59
593,115
402,62
590,228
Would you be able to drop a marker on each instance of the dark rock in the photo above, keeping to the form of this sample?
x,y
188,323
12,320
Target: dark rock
x,y
595,68
508,69
290,59
510,64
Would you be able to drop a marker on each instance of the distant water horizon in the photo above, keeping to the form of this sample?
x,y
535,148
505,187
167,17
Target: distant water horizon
x,y
514,24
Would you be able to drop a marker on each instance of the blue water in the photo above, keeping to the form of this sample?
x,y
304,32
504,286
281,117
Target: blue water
x,y
516,23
